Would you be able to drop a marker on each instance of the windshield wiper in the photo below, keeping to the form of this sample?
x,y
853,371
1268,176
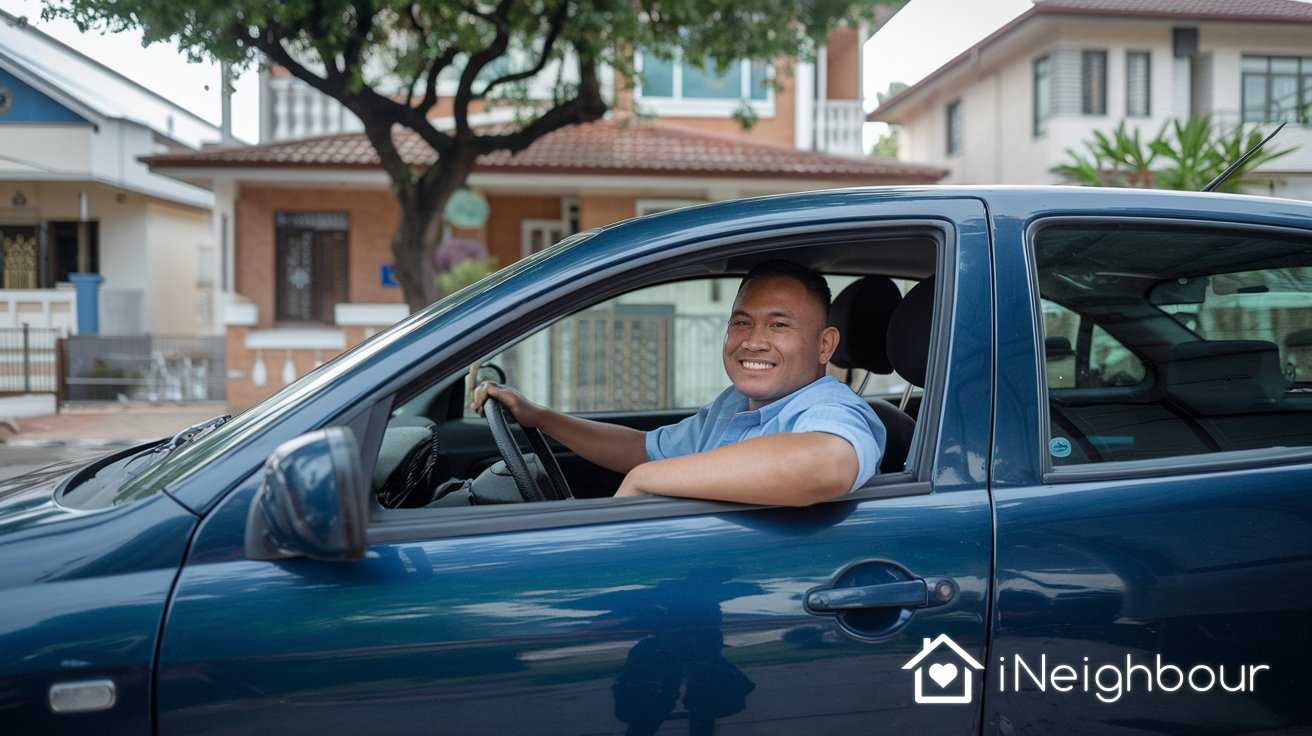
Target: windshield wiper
x,y
193,432
156,453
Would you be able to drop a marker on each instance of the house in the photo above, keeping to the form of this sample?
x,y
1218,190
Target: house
x,y
312,217
1005,110
944,673
75,199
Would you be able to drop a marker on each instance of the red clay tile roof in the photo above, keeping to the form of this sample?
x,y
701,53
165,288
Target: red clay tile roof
x,y
1266,11
605,147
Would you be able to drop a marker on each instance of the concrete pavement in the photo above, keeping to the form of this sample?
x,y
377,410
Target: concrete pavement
x,y
107,424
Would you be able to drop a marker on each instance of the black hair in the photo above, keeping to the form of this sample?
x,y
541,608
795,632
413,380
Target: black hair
x,y
778,268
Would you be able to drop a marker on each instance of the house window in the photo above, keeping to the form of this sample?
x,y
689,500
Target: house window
x,y
1042,95
1277,89
675,87
39,256
1093,82
311,274
954,127
1138,84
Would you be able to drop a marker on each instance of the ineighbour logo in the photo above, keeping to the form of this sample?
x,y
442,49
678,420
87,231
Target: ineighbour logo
x,y
1110,681
944,675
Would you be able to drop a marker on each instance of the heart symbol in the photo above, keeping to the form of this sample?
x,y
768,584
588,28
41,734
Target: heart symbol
x,y
943,673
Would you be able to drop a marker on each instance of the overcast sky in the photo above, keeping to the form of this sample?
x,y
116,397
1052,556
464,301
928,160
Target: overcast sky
x,y
920,38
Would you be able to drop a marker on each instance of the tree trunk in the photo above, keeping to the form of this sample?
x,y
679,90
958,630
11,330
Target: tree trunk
x,y
419,230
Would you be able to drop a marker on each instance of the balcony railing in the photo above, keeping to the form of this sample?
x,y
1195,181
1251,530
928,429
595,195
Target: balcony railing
x,y
838,126
300,111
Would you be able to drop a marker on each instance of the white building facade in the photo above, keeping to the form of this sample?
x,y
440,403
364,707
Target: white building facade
x,y
75,199
1006,110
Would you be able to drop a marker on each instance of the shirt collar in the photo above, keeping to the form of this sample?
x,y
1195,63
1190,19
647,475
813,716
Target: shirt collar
x,y
772,409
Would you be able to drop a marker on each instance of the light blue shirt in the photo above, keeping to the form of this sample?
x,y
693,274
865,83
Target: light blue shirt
x,y
824,405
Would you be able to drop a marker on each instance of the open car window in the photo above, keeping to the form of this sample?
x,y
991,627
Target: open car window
x,y
651,349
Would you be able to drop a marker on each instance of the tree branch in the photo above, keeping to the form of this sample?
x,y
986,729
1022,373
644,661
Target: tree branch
x,y
557,22
364,25
477,62
434,69
586,106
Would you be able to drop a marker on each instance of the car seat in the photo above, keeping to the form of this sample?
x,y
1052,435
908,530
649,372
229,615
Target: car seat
x,y
861,312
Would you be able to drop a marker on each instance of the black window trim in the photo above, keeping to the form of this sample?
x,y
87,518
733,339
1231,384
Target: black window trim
x,y
1181,465
403,525
1147,82
1039,126
955,125
1089,104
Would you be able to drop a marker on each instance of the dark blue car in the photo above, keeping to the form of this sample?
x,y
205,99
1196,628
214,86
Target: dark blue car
x,y
1094,514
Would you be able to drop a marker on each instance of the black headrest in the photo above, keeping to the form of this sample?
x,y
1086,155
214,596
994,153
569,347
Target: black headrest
x,y
1057,347
1212,377
861,313
1299,339
908,332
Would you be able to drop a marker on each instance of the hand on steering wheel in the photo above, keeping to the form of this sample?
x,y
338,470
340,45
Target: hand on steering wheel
x,y
498,420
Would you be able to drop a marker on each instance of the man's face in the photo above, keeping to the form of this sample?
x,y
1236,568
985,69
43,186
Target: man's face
x,y
777,341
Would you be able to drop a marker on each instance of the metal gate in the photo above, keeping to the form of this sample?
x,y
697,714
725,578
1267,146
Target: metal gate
x,y
146,368
29,360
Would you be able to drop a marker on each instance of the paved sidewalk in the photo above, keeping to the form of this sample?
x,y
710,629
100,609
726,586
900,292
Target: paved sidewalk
x,y
97,425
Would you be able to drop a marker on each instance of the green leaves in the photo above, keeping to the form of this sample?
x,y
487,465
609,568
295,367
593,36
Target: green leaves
x,y
1184,155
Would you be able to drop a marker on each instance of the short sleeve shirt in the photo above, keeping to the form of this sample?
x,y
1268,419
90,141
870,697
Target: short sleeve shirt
x,y
825,405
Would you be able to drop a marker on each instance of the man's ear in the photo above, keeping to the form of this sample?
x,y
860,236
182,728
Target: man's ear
x,y
828,343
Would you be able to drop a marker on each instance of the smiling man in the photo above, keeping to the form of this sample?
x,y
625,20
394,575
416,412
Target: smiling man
x,y
783,433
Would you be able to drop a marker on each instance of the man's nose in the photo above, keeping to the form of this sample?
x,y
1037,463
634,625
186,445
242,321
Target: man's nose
x,y
757,338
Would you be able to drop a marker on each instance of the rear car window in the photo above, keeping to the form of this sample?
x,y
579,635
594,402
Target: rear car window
x,y
1163,342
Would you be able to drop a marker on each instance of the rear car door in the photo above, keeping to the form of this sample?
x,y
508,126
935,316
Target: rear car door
x,y
1154,530
599,616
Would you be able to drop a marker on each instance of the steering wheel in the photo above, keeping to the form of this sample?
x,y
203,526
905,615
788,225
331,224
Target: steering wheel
x,y
498,420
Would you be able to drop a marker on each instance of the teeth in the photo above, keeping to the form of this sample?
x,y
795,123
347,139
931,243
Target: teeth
x,y
754,365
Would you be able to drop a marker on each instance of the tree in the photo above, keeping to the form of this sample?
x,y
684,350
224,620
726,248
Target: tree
x,y
886,146
382,59
1185,155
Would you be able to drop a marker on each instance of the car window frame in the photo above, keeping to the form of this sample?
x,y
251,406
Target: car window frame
x,y
1209,462
398,525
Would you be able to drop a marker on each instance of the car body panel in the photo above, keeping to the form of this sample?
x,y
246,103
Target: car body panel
x,y
82,598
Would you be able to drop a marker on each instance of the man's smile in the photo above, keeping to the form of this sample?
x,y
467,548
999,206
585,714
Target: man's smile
x,y
756,365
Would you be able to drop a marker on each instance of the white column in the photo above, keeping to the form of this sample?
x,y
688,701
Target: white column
x,y
804,106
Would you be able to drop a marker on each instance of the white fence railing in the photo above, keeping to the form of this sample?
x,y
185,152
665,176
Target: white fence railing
x,y
52,308
838,126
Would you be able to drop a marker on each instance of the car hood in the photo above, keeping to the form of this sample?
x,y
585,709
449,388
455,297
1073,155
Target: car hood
x,y
29,499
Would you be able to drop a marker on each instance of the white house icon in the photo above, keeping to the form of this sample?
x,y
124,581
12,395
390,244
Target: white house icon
x,y
942,673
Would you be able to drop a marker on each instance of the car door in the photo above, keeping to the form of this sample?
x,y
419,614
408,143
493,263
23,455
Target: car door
x,y
1153,521
605,616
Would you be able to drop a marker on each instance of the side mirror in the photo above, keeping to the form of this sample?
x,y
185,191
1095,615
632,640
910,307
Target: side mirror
x,y
311,502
